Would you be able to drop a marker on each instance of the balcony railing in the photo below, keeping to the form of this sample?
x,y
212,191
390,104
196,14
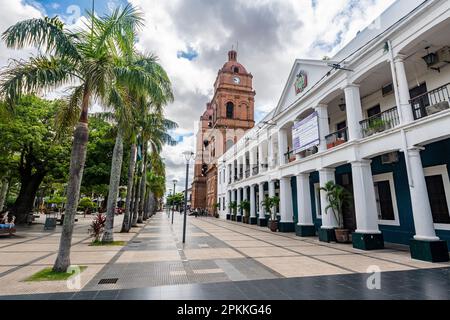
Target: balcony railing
x,y
264,167
289,156
255,170
381,122
431,102
337,138
247,173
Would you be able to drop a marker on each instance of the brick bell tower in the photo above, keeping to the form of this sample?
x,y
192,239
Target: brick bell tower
x,y
228,116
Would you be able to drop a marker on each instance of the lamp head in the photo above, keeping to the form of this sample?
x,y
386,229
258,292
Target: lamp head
x,y
175,181
188,155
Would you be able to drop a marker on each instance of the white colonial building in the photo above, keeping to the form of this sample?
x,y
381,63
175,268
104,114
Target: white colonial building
x,y
374,119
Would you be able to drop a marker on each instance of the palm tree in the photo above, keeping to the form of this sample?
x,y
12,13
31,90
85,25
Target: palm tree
x,y
123,101
89,59
156,181
154,133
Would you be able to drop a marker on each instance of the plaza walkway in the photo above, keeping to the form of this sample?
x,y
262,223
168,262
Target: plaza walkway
x,y
220,260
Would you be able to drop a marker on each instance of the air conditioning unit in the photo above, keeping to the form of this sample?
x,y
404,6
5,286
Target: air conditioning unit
x,y
437,60
390,158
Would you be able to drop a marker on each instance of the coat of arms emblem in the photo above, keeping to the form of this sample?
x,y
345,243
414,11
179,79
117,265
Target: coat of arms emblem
x,y
301,82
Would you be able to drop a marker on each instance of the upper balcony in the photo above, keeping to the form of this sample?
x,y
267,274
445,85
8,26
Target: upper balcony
x,y
431,102
380,122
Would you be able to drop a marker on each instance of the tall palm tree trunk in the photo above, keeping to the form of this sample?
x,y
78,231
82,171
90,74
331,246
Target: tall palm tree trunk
x,y
77,162
136,198
114,184
3,192
126,225
142,186
78,159
147,204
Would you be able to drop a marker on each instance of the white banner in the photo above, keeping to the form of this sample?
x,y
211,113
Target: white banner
x,y
305,133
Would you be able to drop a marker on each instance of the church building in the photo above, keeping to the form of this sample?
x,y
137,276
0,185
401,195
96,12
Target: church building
x,y
227,118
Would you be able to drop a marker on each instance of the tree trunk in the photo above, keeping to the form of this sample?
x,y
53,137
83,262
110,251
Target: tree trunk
x,y
127,216
143,184
114,184
3,193
25,201
77,161
136,198
147,204
151,204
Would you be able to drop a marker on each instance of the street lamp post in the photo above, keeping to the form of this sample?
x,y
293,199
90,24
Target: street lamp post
x,y
168,206
188,155
175,181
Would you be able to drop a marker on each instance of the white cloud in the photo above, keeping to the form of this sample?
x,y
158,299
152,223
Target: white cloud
x,y
10,14
271,35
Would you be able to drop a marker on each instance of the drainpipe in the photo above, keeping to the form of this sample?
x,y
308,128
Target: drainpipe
x,y
400,112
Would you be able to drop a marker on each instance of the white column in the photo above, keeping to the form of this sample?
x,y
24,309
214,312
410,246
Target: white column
x,y
239,166
233,168
324,125
233,199
286,205
402,91
423,218
252,160
244,164
305,217
262,213
271,153
282,146
238,201
228,201
244,193
328,219
364,198
272,193
354,111
252,201
261,156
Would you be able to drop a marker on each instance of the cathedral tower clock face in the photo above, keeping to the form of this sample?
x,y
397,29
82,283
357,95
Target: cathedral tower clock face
x,y
237,80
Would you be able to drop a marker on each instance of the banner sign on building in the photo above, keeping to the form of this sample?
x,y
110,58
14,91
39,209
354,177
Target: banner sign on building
x,y
305,133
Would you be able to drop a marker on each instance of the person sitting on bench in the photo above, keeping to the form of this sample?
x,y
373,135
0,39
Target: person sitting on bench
x,y
6,222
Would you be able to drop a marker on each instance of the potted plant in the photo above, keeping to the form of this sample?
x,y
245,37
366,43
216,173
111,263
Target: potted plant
x,y
377,125
233,206
338,197
330,145
245,207
269,204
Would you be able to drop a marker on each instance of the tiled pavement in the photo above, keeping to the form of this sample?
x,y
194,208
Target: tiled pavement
x,y
221,260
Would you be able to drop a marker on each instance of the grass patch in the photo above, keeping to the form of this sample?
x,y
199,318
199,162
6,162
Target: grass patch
x,y
108,244
49,275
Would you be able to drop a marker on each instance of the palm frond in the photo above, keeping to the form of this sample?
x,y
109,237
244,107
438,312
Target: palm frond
x,y
46,34
69,112
38,74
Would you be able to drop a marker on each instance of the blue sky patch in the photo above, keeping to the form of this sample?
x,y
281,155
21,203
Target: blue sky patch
x,y
70,11
189,54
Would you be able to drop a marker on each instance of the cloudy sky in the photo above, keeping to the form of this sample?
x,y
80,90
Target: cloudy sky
x,y
192,37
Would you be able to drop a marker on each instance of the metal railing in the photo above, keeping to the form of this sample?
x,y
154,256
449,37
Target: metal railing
x,y
289,156
255,170
247,173
337,138
431,102
381,122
